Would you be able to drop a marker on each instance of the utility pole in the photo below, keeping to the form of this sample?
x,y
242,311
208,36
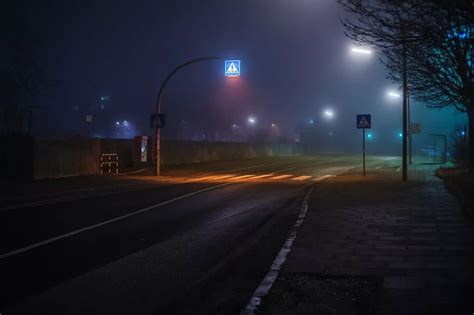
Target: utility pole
x,y
410,131
405,111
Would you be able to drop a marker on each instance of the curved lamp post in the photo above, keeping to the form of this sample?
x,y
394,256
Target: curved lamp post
x,y
158,105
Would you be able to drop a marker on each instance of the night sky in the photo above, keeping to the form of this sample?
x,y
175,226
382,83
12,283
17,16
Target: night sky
x,y
296,62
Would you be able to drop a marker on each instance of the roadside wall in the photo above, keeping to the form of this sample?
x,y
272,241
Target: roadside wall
x,y
62,157
40,158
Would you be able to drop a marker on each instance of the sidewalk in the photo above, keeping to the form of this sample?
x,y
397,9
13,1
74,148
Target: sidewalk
x,y
406,245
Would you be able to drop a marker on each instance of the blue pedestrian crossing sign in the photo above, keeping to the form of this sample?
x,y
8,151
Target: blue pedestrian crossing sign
x,y
363,121
232,68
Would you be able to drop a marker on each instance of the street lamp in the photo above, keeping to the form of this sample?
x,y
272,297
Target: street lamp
x,y
251,120
361,51
393,94
328,114
158,104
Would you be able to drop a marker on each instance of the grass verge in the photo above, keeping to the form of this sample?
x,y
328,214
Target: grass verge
x,y
460,183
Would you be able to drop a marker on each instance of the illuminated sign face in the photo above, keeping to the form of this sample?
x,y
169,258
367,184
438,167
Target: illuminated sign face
x,y
232,68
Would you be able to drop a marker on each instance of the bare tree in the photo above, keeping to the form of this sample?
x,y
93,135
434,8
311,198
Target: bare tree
x,y
21,76
437,40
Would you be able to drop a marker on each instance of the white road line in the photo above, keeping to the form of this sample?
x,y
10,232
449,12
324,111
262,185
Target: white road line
x,y
345,170
378,167
66,235
301,178
399,168
267,282
321,178
137,171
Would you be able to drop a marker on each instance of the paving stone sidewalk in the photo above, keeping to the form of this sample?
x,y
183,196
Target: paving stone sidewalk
x,y
413,235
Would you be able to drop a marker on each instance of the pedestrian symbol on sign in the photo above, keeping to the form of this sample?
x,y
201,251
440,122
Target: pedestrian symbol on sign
x,y
157,120
232,68
363,121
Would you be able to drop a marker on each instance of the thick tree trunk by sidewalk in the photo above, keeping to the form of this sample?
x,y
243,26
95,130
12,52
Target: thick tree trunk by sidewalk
x,y
470,157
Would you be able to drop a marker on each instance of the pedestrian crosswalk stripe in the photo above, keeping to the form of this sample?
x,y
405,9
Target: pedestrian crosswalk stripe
x,y
281,177
263,176
301,178
223,176
242,177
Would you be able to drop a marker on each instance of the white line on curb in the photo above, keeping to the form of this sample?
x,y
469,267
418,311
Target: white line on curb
x,y
267,282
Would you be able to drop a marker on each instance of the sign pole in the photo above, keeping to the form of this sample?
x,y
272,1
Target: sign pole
x,y
363,150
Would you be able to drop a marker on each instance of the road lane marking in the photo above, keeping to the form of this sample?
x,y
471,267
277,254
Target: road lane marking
x,y
66,235
345,170
321,178
242,177
301,178
72,233
281,176
378,167
137,171
399,168
263,176
223,176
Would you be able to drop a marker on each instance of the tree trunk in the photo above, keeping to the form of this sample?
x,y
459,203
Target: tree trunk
x,y
470,158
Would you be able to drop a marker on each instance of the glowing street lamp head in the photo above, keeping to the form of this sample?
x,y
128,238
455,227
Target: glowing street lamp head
x,y
274,125
251,120
361,51
328,113
117,123
393,94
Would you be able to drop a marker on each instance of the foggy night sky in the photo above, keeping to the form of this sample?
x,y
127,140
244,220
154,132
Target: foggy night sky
x,y
295,62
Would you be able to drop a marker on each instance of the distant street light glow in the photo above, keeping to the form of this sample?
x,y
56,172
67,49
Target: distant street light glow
x,y
274,125
328,113
361,51
393,94
251,120
117,123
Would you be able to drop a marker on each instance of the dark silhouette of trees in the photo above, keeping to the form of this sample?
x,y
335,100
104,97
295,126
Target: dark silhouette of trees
x,y
437,37
21,76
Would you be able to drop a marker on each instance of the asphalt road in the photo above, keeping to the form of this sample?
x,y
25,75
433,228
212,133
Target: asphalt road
x,y
198,240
